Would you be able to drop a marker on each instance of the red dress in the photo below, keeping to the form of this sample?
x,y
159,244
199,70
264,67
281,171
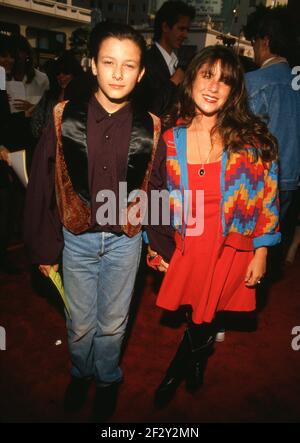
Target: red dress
x,y
207,276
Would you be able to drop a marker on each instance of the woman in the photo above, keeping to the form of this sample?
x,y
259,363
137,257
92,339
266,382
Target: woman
x,y
35,82
61,73
222,236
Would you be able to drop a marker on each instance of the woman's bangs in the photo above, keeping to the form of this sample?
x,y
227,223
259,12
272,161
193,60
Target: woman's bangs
x,y
229,75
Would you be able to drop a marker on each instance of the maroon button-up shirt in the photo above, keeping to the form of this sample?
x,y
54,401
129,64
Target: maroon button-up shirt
x,y
108,137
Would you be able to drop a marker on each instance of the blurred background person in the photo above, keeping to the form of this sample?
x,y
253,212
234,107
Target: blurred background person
x,y
164,73
7,177
272,97
35,84
61,73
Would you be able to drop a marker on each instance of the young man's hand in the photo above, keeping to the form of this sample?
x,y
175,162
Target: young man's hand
x,y
45,269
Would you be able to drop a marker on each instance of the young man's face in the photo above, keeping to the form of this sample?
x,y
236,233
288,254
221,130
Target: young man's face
x,y
118,70
175,36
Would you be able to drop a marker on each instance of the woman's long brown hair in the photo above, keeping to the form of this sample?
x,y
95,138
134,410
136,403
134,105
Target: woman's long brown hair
x,y
236,124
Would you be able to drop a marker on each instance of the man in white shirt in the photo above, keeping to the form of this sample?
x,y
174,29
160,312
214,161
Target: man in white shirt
x,y
163,75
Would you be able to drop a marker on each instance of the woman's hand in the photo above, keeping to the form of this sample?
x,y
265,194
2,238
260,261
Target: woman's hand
x,y
22,105
257,267
4,155
45,269
163,266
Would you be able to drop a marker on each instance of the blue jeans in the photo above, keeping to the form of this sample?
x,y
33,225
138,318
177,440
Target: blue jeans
x,y
285,198
99,270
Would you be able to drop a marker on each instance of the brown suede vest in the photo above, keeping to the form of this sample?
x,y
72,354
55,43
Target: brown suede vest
x,y
74,209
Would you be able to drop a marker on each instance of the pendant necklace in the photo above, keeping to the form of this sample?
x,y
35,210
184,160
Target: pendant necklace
x,y
201,171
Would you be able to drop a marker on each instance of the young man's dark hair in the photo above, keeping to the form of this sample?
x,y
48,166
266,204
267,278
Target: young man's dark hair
x,y
102,31
169,13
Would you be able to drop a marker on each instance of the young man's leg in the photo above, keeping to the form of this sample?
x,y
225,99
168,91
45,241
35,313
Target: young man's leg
x,y
81,269
99,276
119,265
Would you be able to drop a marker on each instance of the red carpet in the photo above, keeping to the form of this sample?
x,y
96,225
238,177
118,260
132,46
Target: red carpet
x,y
251,377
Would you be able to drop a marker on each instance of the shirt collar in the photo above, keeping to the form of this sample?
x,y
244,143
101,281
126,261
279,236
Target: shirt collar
x,y
170,59
99,113
273,60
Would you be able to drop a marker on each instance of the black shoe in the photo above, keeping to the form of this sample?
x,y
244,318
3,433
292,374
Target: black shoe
x,y
105,403
76,394
175,374
167,390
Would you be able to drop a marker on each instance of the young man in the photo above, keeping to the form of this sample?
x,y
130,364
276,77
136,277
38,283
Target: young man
x,y
83,156
163,75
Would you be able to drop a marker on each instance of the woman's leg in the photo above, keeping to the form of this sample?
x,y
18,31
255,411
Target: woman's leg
x,y
175,373
201,340
189,361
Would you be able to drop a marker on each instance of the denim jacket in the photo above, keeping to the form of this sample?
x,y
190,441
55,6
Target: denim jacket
x,y
272,97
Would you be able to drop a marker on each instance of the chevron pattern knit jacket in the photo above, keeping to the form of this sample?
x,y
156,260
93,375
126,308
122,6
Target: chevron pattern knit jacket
x,y
249,189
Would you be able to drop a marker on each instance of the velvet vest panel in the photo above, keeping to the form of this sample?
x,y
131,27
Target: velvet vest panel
x,y
72,189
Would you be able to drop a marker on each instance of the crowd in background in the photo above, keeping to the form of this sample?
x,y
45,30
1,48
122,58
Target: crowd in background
x,y
22,122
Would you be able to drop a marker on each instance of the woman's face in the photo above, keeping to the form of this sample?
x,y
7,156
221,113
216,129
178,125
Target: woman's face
x,y
209,92
7,61
64,79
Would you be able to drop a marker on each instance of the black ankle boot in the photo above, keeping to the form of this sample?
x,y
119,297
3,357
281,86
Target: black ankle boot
x,y
201,349
174,375
76,394
105,403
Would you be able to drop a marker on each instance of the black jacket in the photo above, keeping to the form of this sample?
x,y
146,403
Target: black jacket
x,y
156,92
4,116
